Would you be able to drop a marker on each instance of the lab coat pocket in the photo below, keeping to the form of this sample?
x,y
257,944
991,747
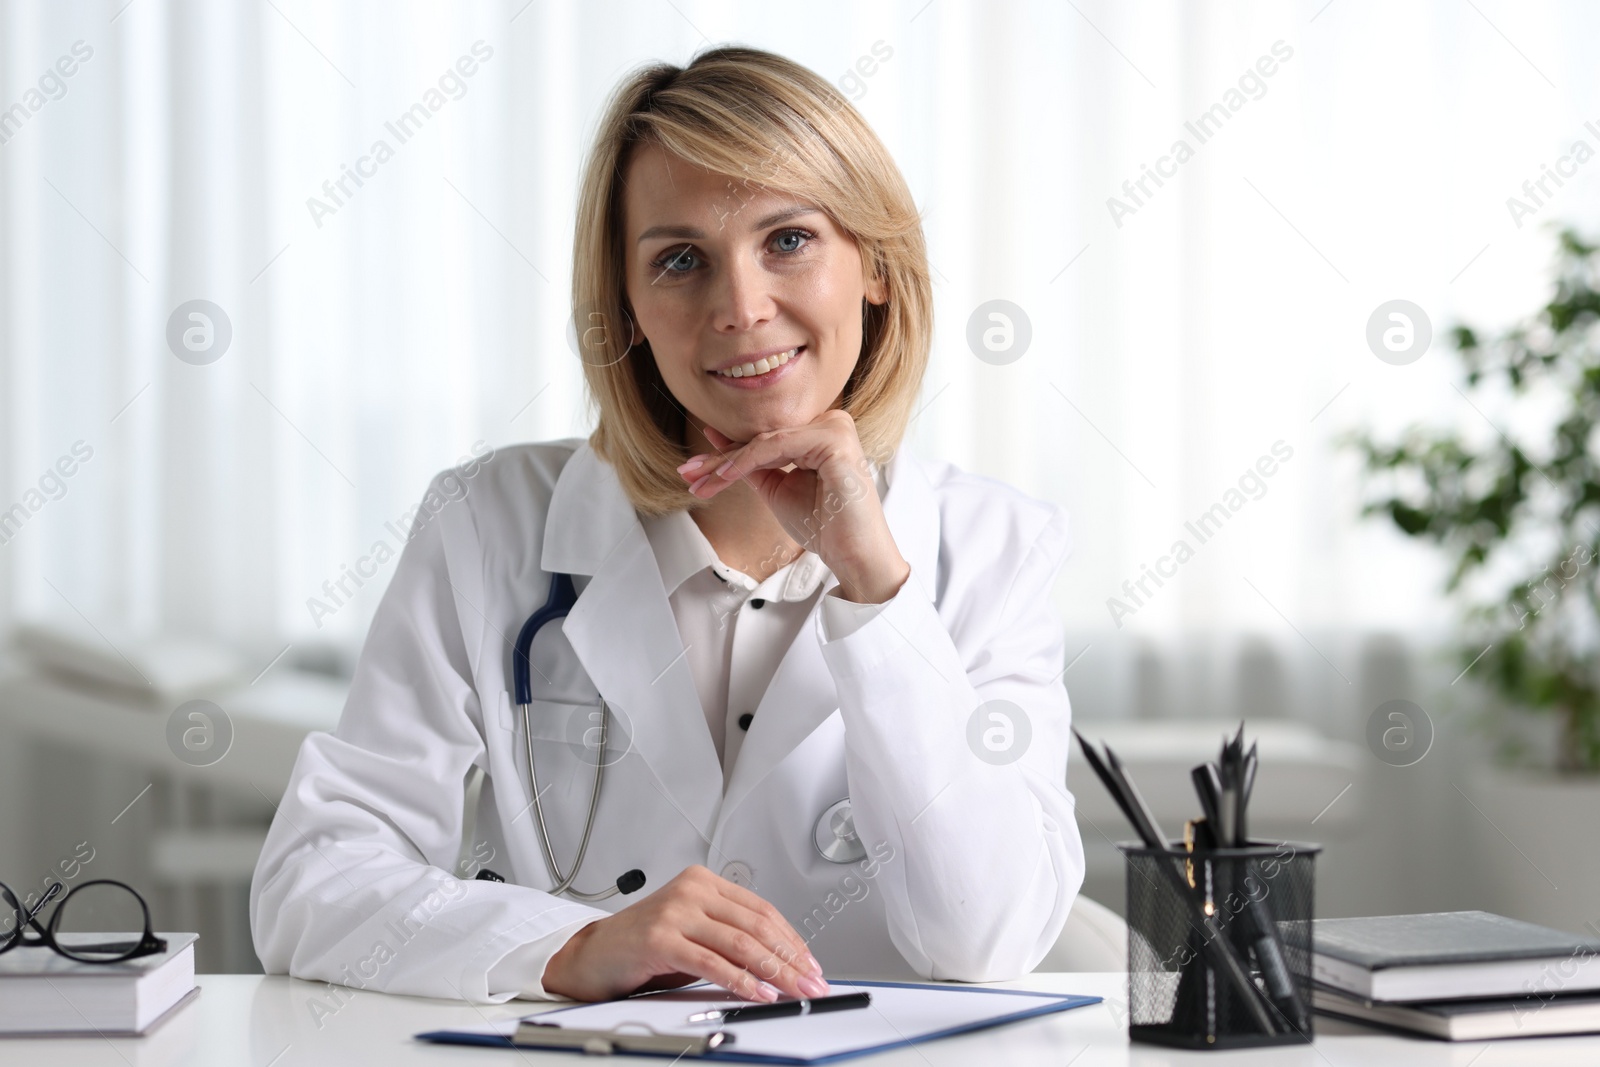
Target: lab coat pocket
x,y
579,728
566,743
569,740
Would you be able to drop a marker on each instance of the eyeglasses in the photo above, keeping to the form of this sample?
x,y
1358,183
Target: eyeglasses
x,y
110,899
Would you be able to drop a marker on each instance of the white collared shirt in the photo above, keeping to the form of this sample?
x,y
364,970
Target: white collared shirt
x,y
736,630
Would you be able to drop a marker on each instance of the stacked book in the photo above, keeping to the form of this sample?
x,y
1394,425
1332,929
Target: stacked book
x,y
43,993
1460,976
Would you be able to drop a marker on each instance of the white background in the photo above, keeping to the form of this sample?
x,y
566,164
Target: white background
x,y
430,311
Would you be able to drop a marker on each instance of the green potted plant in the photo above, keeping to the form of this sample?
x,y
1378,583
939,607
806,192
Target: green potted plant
x,y
1519,521
1517,516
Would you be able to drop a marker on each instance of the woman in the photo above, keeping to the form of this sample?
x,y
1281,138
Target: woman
x,y
836,732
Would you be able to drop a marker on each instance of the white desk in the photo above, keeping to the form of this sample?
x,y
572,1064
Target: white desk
x,y
251,1021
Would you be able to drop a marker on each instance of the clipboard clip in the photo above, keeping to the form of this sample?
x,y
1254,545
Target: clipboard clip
x,y
531,1034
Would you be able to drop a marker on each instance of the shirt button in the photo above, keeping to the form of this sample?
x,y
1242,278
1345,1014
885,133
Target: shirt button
x,y
758,603
745,720
738,872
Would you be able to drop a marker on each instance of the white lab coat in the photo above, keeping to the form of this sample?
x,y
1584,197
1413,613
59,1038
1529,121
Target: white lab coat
x,y
971,866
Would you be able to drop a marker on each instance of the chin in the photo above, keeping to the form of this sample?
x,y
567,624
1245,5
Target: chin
x,y
744,425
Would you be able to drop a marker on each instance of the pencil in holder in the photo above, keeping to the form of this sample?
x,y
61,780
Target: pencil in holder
x,y
1219,945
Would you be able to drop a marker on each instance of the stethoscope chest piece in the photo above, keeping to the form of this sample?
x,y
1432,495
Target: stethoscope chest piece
x,y
835,835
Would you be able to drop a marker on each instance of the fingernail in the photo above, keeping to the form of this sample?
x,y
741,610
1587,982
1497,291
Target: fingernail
x,y
724,468
766,992
699,483
816,968
813,987
691,465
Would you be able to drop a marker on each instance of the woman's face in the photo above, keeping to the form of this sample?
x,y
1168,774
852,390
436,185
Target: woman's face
x,y
723,275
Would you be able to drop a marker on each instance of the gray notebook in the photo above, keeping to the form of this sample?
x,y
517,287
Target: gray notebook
x,y
1455,954
1471,1020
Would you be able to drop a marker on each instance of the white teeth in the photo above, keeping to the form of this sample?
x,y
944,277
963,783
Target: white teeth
x,y
760,366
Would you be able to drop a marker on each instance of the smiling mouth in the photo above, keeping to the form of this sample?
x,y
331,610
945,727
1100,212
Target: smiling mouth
x,y
760,366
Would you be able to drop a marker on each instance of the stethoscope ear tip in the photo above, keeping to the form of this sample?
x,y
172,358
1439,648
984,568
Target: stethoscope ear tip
x,y
630,882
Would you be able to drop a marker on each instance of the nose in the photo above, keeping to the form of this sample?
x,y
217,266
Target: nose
x,y
744,298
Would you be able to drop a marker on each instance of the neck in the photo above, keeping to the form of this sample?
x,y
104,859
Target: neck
x,y
743,531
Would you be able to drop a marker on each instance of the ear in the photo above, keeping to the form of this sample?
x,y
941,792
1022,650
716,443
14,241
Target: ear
x,y
877,291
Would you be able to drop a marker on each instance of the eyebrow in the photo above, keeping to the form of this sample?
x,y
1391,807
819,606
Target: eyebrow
x,y
690,233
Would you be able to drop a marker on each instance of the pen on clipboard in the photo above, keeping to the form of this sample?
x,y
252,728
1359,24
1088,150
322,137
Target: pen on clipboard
x,y
783,1009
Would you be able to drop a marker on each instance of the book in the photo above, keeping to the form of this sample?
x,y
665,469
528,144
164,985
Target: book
x,y
1470,1020
44,993
1453,955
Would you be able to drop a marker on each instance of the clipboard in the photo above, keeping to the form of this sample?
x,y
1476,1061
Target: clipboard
x,y
531,1033
654,1023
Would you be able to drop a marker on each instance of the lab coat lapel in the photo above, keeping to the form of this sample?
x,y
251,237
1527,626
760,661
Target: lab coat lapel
x,y
798,699
801,695
624,633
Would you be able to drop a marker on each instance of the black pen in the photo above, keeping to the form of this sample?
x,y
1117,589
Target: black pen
x,y
783,1009
1218,949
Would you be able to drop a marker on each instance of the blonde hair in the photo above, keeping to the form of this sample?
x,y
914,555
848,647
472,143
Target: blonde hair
x,y
753,115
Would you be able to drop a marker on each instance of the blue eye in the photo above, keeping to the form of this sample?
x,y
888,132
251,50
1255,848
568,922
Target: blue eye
x,y
684,260
676,262
799,236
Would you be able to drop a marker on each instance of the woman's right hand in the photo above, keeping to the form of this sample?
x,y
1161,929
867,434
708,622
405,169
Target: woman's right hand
x,y
697,926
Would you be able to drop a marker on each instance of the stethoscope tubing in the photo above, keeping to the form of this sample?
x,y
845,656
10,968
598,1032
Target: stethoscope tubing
x,y
562,596
563,883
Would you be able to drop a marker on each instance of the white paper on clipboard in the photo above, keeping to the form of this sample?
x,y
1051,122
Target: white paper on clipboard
x,y
899,1014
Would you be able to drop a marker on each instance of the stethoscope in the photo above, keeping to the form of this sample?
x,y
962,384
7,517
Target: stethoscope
x,y
834,835
562,597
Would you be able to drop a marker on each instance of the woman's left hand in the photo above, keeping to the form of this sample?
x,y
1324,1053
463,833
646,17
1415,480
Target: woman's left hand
x,y
827,502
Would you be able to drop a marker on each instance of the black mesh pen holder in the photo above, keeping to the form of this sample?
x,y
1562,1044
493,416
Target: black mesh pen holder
x,y
1219,945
